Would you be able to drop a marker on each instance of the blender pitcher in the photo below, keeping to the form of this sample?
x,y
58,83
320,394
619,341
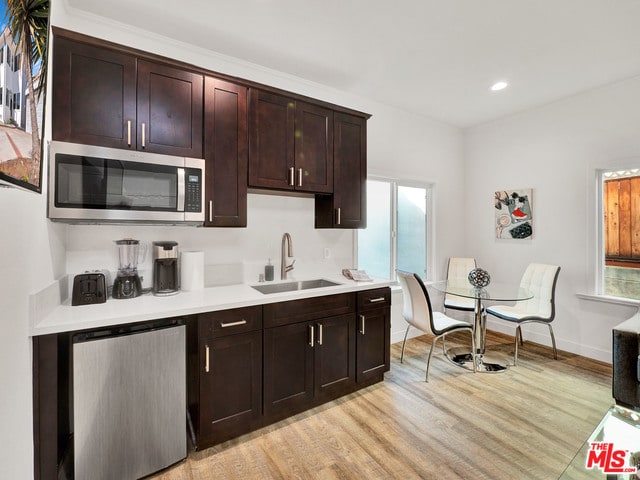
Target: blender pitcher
x,y
127,283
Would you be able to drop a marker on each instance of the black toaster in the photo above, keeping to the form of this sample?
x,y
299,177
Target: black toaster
x,y
89,288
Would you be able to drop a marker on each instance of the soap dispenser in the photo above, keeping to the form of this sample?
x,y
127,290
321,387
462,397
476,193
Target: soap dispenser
x,y
268,271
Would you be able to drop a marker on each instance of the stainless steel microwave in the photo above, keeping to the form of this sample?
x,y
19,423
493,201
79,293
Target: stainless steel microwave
x,y
90,184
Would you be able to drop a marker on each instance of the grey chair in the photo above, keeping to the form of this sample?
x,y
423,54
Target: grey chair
x,y
418,313
541,280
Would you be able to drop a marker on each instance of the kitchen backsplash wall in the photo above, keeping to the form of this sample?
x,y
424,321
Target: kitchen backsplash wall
x,y
231,254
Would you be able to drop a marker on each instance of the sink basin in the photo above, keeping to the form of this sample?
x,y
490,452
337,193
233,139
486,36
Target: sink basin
x,y
293,286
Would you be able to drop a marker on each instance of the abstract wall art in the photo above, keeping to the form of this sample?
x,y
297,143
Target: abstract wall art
x,y
513,218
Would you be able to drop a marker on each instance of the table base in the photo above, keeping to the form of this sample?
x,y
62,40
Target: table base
x,y
464,359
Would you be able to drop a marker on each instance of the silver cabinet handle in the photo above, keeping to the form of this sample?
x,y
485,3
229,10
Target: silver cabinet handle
x,y
338,215
206,358
319,334
291,176
376,300
144,143
210,210
299,177
362,324
311,335
129,132
234,324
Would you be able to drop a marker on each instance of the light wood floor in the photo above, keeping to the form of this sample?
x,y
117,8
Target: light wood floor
x,y
526,423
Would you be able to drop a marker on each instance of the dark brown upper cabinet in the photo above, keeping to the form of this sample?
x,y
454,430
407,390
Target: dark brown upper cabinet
x,y
110,98
225,153
347,207
290,144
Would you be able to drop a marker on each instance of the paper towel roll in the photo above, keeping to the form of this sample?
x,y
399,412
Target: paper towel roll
x,y
192,271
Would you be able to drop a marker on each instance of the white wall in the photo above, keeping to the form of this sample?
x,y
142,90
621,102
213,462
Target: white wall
x,y
554,150
34,251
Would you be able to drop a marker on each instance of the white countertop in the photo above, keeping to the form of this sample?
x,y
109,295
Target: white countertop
x,y
67,318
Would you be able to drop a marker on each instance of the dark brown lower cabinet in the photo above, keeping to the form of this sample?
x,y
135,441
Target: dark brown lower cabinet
x,y
226,387
374,334
307,363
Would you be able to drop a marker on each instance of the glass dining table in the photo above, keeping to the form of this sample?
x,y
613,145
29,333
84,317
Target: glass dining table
x,y
494,292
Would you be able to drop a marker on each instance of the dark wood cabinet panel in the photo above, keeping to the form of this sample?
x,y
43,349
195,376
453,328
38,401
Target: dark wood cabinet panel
x,y
335,356
290,144
373,347
231,388
288,368
346,208
284,313
271,140
169,110
94,95
225,153
313,148
374,333
111,98
224,362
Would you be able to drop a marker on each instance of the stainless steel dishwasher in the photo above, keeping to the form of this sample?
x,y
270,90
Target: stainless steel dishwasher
x,y
129,400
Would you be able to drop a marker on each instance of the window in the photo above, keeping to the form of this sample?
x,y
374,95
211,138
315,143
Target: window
x,y
397,228
620,249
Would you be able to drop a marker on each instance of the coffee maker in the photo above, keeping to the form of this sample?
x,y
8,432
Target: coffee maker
x,y
127,283
166,268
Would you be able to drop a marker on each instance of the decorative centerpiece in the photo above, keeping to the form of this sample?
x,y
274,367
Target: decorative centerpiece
x,y
479,278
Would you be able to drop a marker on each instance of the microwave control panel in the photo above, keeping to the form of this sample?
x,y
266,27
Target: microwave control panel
x,y
193,190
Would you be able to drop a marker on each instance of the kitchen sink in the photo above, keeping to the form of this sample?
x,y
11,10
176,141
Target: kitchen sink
x,y
293,286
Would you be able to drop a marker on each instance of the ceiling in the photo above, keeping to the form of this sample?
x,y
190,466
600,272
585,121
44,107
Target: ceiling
x,y
436,58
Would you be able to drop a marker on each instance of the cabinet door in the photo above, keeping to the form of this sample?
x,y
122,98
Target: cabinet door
x,y
271,141
347,207
335,356
94,95
225,152
313,148
373,346
288,368
230,386
170,110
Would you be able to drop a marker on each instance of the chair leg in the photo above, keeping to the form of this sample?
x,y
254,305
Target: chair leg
x,y
433,344
518,340
444,344
404,342
553,342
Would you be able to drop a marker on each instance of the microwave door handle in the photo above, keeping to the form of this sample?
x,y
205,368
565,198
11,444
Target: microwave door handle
x,y
180,206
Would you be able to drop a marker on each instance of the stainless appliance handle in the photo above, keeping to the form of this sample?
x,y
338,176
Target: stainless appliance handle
x,y
180,206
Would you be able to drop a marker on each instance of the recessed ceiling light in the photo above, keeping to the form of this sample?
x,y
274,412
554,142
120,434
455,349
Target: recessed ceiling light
x,y
496,87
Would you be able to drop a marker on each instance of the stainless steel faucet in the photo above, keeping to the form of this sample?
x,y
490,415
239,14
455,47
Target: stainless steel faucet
x,y
286,252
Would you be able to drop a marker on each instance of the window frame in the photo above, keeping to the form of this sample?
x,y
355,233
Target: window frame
x,y
429,223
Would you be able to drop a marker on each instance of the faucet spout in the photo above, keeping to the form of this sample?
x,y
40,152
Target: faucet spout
x,y
287,251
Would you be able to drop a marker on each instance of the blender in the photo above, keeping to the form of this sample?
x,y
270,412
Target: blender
x,y
127,283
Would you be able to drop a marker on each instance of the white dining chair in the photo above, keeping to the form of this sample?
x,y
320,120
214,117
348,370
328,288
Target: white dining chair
x,y
418,313
540,280
458,270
